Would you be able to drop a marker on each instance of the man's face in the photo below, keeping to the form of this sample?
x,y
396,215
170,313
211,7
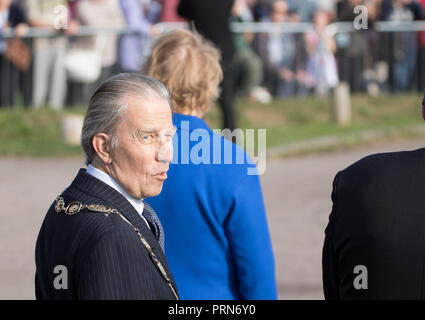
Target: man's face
x,y
144,151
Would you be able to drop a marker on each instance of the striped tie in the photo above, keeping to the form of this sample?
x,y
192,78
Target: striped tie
x,y
156,226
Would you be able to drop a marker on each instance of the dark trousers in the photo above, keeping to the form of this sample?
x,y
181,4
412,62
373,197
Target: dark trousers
x,y
421,70
227,97
9,82
79,94
350,69
25,85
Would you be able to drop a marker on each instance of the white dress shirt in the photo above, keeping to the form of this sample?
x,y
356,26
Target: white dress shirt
x,y
106,178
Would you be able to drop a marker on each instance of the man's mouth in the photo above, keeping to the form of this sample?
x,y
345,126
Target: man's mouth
x,y
161,176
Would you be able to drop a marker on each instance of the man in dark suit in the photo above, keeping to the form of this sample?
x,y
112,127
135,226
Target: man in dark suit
x,y
375,240
99,240
211,18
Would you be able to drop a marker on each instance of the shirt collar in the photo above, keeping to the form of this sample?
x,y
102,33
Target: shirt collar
x,y
106,178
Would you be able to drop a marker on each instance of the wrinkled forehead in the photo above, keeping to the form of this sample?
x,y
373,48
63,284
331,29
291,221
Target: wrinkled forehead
x,y
150,113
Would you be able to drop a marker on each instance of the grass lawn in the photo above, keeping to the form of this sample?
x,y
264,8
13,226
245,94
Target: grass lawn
x,y
26,132
37,132
302,119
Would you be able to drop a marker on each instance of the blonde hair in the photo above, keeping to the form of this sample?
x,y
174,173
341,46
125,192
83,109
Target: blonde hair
x,y
189,66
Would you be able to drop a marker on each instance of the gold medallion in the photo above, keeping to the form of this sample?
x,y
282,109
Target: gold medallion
x,y
60,204
73,208
99,208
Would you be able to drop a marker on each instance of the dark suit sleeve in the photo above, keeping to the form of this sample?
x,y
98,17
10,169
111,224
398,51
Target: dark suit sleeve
x,y
184,9
17,16
329,261
115,268
417,10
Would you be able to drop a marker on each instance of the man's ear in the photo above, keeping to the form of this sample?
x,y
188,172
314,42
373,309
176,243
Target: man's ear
x,y
101,144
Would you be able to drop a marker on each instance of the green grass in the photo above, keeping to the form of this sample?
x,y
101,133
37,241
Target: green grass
x,y
33,133
26,132
300,119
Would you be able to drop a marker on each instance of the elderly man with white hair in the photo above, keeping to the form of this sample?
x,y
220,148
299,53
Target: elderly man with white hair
x,y
99,240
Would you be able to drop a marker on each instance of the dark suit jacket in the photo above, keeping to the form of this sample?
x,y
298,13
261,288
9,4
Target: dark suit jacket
x,y
212,20
378,221
16,15
104,256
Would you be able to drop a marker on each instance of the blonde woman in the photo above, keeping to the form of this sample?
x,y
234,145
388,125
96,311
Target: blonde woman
x,y
217,239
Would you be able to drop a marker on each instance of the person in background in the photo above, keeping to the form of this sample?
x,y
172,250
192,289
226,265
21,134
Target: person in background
x,y
352,47
169,11
132,47
322,73
249,67
304,9
49,75
25,74
211,19
218,244
278,50
403,45
97,13
300,61
73,8
153,10
327,6
261,10
11,16
102,13
373,82
421,56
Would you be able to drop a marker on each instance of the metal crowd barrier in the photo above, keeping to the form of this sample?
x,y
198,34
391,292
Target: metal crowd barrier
x,y
238,27
332,29
89,31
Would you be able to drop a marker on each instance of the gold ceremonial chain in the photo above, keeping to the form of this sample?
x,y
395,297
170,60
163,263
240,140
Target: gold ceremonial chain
x,y
75,207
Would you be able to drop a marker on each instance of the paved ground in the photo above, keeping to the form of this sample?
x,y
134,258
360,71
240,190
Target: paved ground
x,y
296,191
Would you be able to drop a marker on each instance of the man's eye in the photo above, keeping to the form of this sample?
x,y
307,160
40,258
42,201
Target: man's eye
x,y
170,134
147,137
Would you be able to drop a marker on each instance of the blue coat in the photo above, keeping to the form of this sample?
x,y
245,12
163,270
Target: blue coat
x,y
217,241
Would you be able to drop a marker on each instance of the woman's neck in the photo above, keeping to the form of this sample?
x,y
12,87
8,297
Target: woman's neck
x,y
194,113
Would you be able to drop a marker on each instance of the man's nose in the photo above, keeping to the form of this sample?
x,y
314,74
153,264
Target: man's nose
x,y
165,151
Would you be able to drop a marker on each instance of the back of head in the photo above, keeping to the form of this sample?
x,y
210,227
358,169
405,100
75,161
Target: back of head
x,y
190,66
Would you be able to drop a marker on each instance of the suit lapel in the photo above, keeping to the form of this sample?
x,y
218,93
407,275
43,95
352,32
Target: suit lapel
x,y
127,210
120,203
112,198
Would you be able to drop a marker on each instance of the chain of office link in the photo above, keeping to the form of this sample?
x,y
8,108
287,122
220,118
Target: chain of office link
x,y
75,207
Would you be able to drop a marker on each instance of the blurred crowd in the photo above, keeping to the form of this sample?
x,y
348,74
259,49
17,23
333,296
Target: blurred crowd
x,y
64,70
314,63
